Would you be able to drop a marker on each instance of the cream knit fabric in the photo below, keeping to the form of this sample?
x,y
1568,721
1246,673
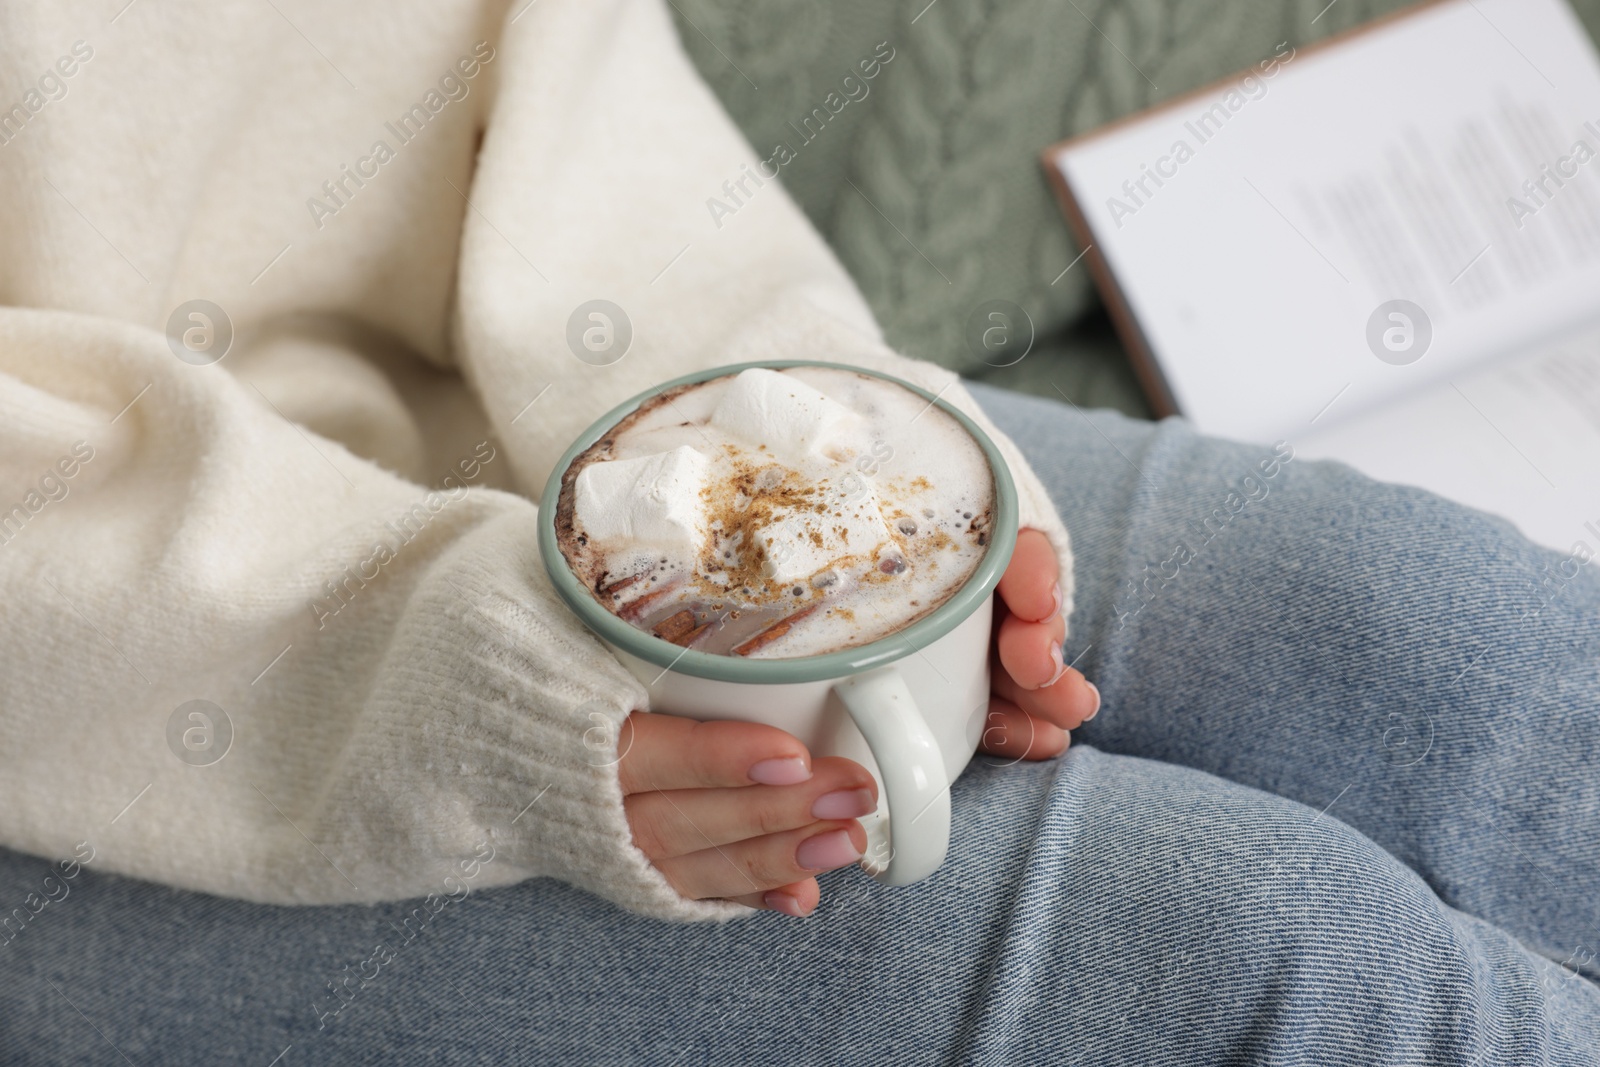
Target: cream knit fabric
x,y
400,683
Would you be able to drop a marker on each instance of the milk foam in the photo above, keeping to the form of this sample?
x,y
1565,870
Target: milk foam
x,y
776,514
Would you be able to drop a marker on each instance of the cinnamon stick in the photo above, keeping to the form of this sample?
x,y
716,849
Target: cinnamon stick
x,y
692,636
621,584
773,632
675,626
638,606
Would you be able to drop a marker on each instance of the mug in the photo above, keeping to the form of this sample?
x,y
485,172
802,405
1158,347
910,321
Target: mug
x,y
910,707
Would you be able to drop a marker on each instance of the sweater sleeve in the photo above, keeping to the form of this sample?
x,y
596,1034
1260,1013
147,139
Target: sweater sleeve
x,y
610,172
241,660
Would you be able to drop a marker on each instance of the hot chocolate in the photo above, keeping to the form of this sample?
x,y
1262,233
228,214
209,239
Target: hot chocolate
x,y
778,513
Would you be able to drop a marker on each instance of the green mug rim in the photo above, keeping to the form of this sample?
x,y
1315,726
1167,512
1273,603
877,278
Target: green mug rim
x,y
885,650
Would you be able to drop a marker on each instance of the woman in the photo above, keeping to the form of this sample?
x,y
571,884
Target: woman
x,y
302,201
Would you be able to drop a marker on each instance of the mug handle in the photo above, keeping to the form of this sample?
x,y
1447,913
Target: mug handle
x,y
912,769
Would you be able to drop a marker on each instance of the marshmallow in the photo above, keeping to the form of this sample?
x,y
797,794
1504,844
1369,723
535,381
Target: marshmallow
x,y
852,525
652,502
794,420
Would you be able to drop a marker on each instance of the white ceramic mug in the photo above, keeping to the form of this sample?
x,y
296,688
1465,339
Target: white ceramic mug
x,y
909,707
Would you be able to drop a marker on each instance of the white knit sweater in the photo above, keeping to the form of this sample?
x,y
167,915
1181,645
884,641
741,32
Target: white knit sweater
x,y
403,689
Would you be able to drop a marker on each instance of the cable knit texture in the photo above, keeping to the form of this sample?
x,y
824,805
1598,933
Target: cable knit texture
x,y
328,536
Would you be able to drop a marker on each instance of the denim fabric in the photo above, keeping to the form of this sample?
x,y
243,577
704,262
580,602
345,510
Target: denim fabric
x,y
1339,807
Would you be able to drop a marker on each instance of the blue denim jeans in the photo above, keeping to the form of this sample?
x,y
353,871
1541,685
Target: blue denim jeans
x,y
1341,805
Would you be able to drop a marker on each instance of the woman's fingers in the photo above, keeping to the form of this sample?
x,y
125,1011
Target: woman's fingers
x,y
1030,652
1030,587
1012,732
797,899
1069,703
670,752
1029,673
752,867
680,821
738,810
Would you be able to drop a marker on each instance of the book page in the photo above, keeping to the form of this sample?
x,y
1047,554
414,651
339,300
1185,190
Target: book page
x,y
1352,224
1519,437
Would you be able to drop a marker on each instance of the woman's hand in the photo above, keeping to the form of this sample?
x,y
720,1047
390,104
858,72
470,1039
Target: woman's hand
x,y
741,811
1035,697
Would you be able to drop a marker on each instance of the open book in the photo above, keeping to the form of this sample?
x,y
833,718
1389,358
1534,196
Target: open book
x,y
1384,249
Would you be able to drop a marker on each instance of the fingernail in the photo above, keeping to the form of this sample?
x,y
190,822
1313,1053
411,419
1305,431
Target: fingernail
x,y
1096,709
1056,592
790,770
783,902
843,804
1061,665
827,851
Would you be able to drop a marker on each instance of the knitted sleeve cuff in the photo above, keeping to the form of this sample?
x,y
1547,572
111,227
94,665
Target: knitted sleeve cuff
x,y
554,703
493,725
